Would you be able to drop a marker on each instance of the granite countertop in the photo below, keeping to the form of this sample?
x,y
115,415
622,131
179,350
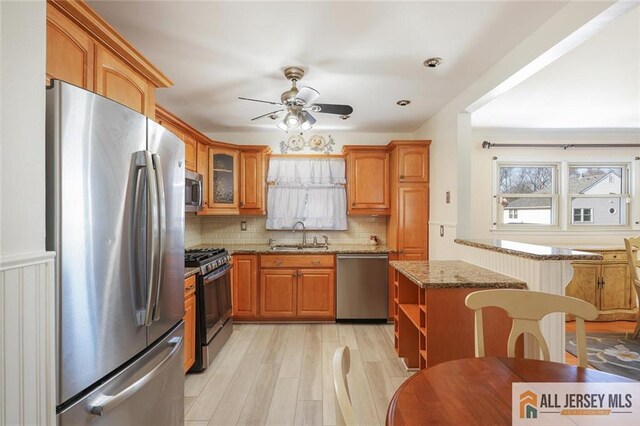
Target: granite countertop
x,y
333,249
453,274
529,251
265,249
190,271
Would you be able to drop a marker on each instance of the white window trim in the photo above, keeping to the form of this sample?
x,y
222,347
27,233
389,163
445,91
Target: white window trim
x,y
497,219
627,167
563,223
582,210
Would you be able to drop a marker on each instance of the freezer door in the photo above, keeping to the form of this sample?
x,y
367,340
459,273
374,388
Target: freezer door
x,y
91,183
168,156
148,392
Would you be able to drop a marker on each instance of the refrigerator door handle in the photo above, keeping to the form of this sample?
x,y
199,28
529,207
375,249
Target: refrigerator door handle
x,y
162,231
105,403
137,167
152,240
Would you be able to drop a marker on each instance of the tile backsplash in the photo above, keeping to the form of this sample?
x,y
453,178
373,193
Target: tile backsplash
x,y
226,230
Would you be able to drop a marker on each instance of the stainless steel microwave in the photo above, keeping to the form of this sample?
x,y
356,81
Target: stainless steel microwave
x,y
192,191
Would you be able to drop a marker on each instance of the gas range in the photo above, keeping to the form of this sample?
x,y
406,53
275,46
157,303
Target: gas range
x,y
207,259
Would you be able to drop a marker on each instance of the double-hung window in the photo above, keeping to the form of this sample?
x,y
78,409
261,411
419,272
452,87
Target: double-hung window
x,y
527,194
598,194
564,195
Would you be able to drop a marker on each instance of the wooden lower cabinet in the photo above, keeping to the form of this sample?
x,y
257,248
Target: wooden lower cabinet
x,y
245,286
316,296
283,287
189,323
278,293
606,284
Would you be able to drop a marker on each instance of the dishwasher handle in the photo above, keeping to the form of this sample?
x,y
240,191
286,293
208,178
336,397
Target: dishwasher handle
x,y
362,256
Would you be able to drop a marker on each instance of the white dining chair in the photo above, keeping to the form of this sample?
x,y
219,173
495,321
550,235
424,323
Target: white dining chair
x,y
341,365
632,244
527,308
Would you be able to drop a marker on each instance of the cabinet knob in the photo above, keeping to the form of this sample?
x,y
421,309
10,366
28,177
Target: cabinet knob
x,y
401,176
241,204
353,204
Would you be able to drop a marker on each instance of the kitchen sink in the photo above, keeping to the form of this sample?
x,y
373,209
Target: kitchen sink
x,y
297,247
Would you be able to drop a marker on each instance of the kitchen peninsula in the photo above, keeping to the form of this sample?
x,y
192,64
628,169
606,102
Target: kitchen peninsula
x,y
432,323
543,268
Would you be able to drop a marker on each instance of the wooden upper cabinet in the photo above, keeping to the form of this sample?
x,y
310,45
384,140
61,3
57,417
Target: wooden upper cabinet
x,y
202,167
190,153
117,81
223,181
84,50
413,164
368,181
171,127
70,51
252,182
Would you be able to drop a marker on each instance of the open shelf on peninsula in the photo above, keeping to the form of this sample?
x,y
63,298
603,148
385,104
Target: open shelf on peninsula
x,y
432,323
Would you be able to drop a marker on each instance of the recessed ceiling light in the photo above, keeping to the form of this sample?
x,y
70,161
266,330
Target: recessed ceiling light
x,y
432,62
403,102
345,117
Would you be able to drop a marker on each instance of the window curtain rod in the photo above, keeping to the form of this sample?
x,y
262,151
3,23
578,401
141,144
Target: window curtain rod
x,y
487,145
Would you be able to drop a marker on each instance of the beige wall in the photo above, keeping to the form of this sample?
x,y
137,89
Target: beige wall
x,y
226,230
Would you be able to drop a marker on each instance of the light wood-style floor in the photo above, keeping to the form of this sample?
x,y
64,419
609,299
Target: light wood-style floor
x,y
281,374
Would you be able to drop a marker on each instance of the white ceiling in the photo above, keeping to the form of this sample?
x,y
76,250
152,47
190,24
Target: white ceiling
x,y
596,85
366,54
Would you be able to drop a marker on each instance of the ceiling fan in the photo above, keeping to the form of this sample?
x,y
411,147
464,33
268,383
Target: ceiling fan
x,y
296,103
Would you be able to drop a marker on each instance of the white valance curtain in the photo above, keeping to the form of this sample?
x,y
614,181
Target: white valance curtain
x,y
308,190
306,171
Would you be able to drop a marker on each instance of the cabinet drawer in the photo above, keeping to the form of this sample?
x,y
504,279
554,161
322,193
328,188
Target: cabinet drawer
x,y
614,256
190,285
296,261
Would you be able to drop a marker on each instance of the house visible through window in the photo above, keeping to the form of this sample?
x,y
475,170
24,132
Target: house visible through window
x,y
563,194
602,190
527,194
582,215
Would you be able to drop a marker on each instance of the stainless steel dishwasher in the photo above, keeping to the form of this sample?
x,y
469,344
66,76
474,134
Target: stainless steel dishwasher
x,y
362,286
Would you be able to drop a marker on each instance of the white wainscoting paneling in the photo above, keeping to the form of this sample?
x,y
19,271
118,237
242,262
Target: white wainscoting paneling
x,y
27,340
550,276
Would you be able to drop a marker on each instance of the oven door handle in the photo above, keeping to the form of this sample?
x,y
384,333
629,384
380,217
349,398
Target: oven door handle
x,y
217,274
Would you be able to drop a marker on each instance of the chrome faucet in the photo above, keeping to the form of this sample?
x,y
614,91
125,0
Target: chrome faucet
x,y
304,231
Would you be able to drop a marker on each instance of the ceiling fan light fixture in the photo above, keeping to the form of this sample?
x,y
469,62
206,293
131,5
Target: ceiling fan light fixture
x,y
283,126
292,120
306,125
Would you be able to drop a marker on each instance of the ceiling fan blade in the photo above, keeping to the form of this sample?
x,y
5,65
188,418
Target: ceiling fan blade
x,y
333,109
307,95
269,113
309,118
258,100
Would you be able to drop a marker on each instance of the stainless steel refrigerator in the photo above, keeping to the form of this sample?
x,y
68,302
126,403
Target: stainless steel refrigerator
x,y
115,218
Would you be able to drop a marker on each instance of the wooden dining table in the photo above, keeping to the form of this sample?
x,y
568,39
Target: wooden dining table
x,y
477,391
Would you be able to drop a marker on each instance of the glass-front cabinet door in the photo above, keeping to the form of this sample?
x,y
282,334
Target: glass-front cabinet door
x,y
223,175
